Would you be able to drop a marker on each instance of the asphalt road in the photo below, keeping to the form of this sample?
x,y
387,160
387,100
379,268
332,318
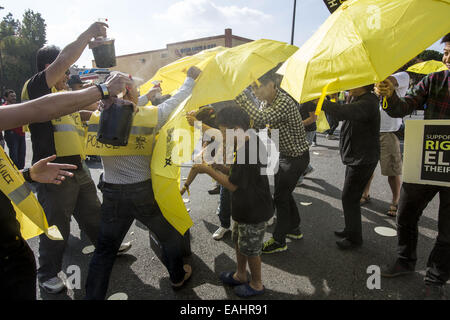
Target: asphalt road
x,y
312,268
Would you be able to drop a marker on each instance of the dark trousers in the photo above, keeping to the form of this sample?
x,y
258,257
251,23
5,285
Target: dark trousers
x,y
77,197
225,208
356,179
414,199
122,204
288,216
17,272
333,124
17,148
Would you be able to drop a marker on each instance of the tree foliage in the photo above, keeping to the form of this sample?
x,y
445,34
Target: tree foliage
x,y
431,55
19,42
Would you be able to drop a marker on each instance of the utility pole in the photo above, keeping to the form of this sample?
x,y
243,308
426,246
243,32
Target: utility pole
x,y
293,22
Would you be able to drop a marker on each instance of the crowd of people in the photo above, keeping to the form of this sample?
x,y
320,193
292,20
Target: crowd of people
x,y
65,188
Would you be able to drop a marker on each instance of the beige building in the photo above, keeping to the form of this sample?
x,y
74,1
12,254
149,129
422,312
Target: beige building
x,y
145,64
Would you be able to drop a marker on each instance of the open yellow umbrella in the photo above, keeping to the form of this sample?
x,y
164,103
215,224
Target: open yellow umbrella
x,y
224,76
173,75
428,67
364,42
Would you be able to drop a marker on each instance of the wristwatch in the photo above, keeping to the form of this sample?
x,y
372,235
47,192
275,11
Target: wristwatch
x,y
103,90
27,176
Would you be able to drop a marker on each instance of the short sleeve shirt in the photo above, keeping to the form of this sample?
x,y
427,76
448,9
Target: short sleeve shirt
x,y
252,202
42,134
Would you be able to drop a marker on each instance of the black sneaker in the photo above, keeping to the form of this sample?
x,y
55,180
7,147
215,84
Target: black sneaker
x,y
272,246
395,270
431,292
295,234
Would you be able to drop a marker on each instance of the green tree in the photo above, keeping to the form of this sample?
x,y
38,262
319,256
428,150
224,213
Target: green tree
x,y
19,43
431,55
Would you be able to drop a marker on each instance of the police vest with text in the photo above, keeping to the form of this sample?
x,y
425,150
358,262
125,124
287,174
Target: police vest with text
x,y
140,142
68,131
29,212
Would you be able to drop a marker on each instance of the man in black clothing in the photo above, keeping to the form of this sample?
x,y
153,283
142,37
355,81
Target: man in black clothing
x,y
77,197
360,152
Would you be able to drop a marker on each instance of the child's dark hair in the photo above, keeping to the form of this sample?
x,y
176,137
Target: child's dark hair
x,y
207,115
233,116
446,38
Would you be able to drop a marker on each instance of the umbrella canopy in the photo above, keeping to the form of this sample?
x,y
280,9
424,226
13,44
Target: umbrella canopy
x,y
428,67
224,76
173,75
364,42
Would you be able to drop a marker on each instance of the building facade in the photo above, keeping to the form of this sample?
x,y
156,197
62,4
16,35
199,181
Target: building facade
x,y
144,65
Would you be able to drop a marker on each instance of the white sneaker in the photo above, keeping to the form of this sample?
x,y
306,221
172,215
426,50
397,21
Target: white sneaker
x,y
125,247
271,221
53,286
220,233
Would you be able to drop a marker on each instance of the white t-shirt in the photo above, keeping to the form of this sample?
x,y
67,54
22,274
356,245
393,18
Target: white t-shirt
x,y
389,124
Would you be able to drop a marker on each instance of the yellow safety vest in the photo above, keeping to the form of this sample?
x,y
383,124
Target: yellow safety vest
x,y
29,212
69,133
140,142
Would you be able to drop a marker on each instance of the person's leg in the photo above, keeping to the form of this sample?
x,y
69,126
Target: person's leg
x,y
225,208
254,263
395,183
18,274
438,267
241,269
414,199
366,193
88,208
116,219
288,217
356,179
58,203
148,212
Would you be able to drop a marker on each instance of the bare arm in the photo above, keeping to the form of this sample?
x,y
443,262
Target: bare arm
x,y
53,106
70,54
312,118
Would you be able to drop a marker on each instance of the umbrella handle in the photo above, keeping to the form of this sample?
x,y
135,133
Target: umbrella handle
x,y
385,103
322,98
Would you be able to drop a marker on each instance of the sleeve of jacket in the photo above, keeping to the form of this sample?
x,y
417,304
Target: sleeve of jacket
x,y
414,100
361,110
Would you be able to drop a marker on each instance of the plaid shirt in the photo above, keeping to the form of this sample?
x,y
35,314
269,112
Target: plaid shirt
x,y
433,92
282,114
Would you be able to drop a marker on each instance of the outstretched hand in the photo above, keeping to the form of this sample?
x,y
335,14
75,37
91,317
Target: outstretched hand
x,y
44,171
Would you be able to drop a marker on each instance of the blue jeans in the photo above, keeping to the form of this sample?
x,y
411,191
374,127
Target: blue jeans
x,y
122,204
17,148
225,208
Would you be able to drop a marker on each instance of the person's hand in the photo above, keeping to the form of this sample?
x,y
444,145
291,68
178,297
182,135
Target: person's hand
x,y
194,72
118,82
153,92
385,88
132,95
44,171
97,30
107,103
190,117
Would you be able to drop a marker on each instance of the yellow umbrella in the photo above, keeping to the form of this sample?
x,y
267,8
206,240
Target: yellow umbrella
x,y
364,42
428,67
224,76
173,75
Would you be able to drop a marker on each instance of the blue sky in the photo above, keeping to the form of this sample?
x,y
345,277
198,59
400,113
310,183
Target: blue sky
x,y
142,25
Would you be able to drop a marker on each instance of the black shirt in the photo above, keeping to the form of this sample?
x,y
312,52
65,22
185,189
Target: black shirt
x,y
360,133
252,202
305,109
42,134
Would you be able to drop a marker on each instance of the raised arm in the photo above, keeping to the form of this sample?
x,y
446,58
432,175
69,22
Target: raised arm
x,y
70,54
